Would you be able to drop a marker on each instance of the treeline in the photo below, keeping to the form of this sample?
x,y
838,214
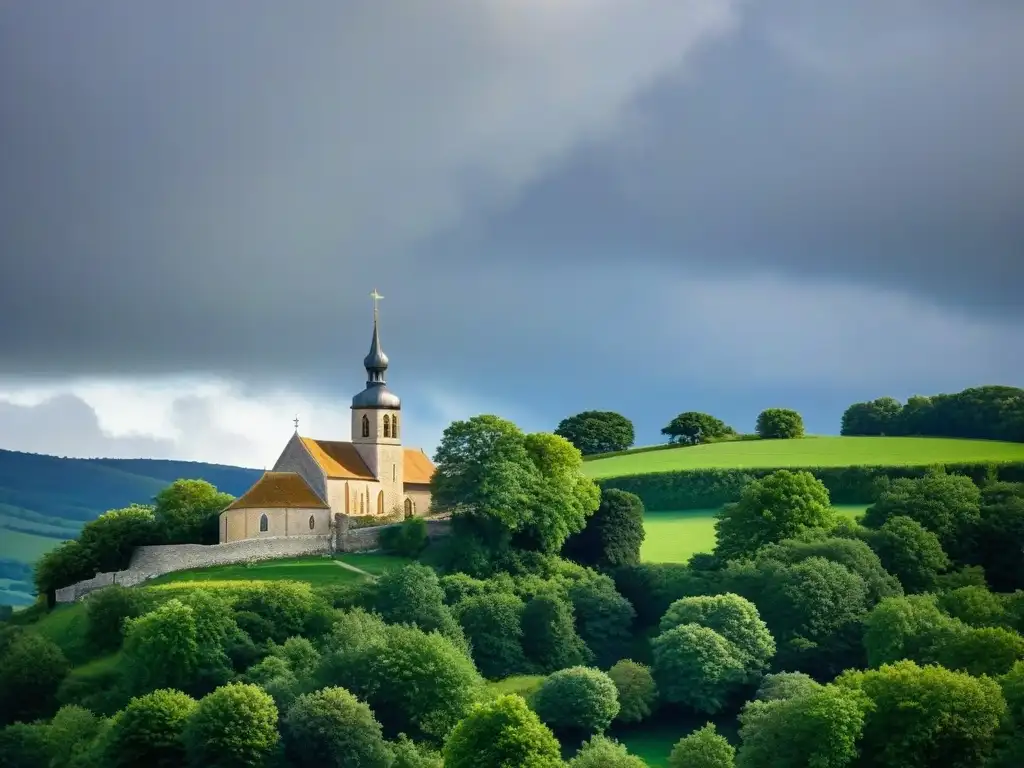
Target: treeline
x,y
984,413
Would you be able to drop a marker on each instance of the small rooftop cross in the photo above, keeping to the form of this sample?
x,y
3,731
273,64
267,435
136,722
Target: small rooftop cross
x,y
376,298
296,421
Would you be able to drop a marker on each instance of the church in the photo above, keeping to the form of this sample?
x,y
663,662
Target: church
x,y
313,480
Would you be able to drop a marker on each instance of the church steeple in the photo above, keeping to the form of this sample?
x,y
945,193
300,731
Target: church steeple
x,y
376,395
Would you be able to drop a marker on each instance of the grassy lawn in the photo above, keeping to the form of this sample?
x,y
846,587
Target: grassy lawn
x,y
373,562
318,571
808,452
26,547
653,740
672,537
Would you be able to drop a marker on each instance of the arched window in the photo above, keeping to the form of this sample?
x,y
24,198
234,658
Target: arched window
x,y
387,426
362,510
264,523
380,503
394,425
366,425
408,507
312,522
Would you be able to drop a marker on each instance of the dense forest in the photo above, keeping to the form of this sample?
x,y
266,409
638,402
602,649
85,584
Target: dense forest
x,y
534,633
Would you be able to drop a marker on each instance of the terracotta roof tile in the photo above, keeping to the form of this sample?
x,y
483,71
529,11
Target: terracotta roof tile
x,y
279,489
338,460
418,467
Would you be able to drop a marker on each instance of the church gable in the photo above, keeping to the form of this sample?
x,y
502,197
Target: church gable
x,y
418,467
338,460
275,490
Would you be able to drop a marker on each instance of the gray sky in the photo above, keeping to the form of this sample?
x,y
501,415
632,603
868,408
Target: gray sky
x,y
643,205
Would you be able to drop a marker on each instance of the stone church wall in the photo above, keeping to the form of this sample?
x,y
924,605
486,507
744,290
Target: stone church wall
x,y
152,561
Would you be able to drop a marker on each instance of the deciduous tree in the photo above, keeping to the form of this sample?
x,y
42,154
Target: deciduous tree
x,y
331,728
779,424
614,533
150,731
500,734
594,432
233,727
703,748
578,700
187,512
693,427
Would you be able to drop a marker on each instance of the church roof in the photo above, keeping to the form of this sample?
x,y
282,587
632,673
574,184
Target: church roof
x,y
279,489
338,460
418,467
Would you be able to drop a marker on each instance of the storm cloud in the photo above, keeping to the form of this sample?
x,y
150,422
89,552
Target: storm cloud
x,y
607,203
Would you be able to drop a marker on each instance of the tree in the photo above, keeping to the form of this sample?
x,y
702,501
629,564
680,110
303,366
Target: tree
x,y
734,618
613,535
638,693
502,733
594,432
31,670
413,595
910,552
604,618
62,566
409,754
549,637
161,649
779,424
493,625
502,485
909,627
112,537
973,605
786,685
998,537
333,729
779,506
693,427
703,748
286,609
820,728
417,683
697,667
188,511
602,752
577,700
233,727
942,717
878,417
25,745
150,731
106,611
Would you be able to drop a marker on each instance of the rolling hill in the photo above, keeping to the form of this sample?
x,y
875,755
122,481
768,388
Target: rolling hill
x,y
46,499
806,452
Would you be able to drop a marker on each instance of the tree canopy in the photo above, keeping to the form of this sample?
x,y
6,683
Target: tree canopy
x,y
594,432
779,424
614,533
693,427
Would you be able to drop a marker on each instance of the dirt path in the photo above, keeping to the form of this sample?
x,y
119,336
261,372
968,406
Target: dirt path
x,y
350,567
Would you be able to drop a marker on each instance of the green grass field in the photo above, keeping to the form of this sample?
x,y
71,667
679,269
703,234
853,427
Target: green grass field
x,y
672,537
807,452
318,571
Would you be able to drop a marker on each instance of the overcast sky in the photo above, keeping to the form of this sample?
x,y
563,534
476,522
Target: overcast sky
x,y
646,206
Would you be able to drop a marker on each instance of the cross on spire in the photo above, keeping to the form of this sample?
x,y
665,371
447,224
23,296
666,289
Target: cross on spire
x,y
296,420
376,298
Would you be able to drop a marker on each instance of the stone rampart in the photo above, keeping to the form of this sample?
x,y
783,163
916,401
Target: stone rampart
x,y
152,561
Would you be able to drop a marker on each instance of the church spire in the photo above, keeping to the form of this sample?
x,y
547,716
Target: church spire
x,y
376,362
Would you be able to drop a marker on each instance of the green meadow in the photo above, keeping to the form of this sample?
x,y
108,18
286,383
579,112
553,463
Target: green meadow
x,y
807,452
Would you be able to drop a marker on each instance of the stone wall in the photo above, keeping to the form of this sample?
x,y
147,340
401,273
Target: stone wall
x,y
150,562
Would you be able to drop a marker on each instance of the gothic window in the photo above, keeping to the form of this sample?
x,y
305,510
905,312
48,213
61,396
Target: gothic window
x,y
387,426
394,473
408,507
366,426
362,499
312,522
264,524
394,425
380,503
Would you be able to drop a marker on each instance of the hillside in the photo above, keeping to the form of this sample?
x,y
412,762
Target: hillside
x,y
46,499
807,452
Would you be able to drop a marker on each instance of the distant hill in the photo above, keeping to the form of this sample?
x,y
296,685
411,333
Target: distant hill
x,y
46,499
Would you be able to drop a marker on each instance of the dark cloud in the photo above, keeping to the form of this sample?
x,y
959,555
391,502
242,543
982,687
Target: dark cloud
x,y
557,199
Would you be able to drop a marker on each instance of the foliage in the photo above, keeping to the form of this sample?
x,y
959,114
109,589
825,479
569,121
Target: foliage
x,y
577,700
71,734
786,685
549,637
502,485
25,745
989,413
150,730
413,595
112,537
779,424
161,649
613,535
943,718
731,616
188,511
818,728
233,727
417,683
106,611
604,618
408,754
998,537
602,752
594,432
65,564
693,427
407,539
500,734
493,625
703,748
652,587
910,552
638,693
973,605
31,670
287,609
696,666
333,729
780,506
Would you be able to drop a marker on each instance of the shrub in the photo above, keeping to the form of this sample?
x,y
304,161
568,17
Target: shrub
x,y
233,727
779,424
500,734
333,729
409,754
638,693
704,748
602,752
150,730
407,539
577,700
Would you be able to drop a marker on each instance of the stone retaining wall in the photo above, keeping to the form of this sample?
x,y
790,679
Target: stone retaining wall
x,y
152,561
